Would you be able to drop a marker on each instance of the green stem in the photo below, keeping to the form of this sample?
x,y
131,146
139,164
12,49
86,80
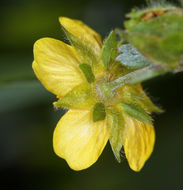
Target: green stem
x,y
139,76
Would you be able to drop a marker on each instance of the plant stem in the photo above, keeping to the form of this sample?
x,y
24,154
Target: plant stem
x,y
139,76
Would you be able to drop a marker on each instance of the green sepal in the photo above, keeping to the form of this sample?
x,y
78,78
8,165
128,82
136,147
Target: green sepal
x,y
119,36
87,71
130,57
116,123
160,39
99,112
136,95
80,97
135,111
109,49
86,54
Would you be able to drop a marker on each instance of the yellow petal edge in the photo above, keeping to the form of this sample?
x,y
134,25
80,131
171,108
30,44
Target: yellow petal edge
x,y
139,139
79,140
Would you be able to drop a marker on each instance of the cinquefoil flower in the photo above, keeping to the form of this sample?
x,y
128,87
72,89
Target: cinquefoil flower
x,y
81,75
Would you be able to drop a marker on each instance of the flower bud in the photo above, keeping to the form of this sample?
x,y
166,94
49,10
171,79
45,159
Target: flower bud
x,y
157,33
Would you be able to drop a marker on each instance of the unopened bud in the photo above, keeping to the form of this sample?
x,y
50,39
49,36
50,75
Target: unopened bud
x,y
157,33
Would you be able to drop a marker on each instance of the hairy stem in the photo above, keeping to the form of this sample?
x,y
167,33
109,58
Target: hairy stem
x,y
139,76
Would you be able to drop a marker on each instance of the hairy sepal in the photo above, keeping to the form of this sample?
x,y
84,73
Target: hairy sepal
x,y
109,49
116,123
136,112
86,55
81,97
136,95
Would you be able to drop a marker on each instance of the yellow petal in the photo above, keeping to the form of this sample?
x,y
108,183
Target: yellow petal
x,y
88,36
56,66
79,140
139,141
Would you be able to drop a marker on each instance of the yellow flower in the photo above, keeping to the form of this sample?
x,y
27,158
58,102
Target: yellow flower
x,y
77,76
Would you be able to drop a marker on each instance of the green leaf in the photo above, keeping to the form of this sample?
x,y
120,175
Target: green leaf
x,y
87,70
99,112
80,97
109,49
86,54
116,123
119,36
130,57
136,112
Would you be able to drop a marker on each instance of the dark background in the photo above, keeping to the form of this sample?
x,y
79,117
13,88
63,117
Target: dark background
x,y
27,118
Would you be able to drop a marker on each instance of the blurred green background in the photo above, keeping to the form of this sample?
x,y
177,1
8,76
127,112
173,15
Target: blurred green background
x,y
27,117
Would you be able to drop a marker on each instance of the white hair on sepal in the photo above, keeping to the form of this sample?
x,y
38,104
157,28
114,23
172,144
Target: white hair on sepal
x,y
154,100
60,109
64,37
122,154
156,2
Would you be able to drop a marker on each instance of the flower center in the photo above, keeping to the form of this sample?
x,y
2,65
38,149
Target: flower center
x,y
104,91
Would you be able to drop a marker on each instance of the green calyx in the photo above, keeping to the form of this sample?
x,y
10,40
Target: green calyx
x,y
99,112
87,71
108,87
104,91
